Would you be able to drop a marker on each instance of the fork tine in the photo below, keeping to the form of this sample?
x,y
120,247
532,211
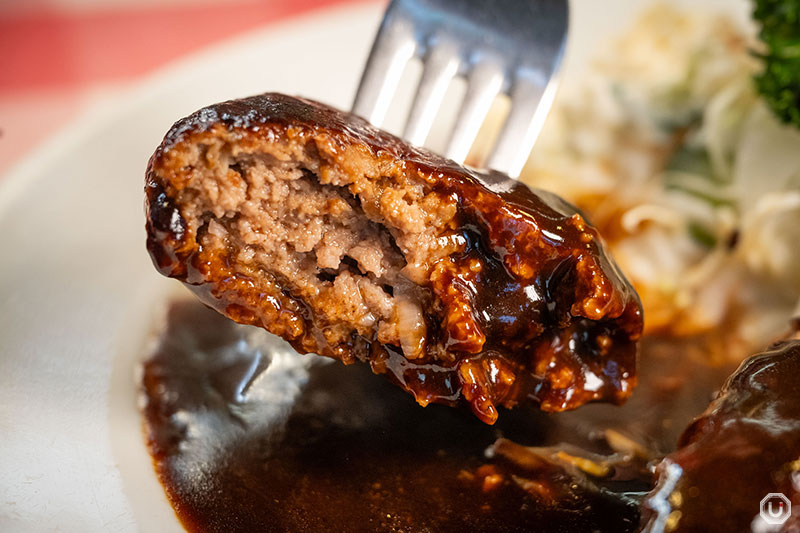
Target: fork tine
x,y
530,103
441,66
483,85
393,48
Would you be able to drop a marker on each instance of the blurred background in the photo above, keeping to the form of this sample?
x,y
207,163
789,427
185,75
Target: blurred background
x,y
659,131
59,57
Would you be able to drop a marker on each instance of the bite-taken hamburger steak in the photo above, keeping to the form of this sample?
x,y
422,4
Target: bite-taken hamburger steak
x,y
460,286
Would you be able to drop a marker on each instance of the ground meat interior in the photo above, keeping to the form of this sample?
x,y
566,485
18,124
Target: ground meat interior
x,y
457,285
277,221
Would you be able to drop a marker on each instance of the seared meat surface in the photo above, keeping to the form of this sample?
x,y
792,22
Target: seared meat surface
x,y
461,286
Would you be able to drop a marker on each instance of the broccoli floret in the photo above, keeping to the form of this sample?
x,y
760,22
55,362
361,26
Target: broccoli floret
x,y
779,83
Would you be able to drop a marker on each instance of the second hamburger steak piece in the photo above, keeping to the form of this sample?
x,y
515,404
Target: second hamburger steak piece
x,y
287,214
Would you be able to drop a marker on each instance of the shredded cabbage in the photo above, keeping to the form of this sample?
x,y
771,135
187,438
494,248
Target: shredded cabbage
x,y
696,186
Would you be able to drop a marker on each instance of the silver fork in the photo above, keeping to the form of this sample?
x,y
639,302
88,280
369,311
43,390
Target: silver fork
x,y
511,47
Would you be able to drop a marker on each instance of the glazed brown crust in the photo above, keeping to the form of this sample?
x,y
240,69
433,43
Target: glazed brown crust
x,y
523,303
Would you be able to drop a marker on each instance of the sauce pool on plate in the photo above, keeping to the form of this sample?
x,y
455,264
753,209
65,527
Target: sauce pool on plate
x,y
300,443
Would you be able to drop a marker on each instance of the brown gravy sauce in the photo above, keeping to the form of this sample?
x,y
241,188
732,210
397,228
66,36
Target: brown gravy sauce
x,y
745,446
245,442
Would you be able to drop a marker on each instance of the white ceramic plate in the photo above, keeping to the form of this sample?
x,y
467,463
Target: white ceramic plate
x,y
78,294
